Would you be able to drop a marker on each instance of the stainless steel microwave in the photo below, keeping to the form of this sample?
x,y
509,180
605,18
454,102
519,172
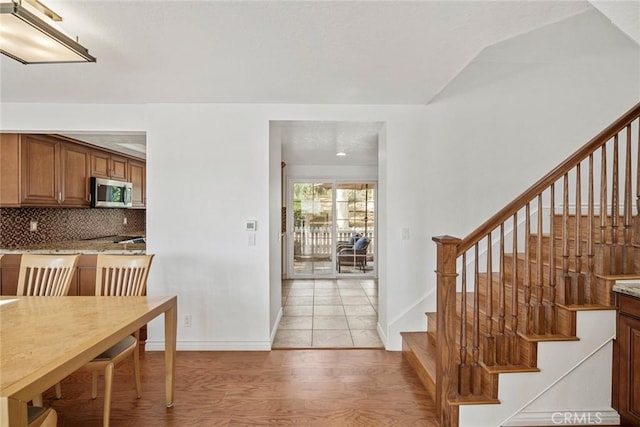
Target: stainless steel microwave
x,y
109,193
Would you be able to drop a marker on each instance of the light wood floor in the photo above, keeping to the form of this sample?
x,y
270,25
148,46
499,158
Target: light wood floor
x,y
357,387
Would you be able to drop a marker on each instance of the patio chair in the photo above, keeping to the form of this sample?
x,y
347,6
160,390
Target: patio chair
x,y
353,256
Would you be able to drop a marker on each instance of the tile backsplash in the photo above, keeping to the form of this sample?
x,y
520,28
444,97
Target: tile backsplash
x,y
59,224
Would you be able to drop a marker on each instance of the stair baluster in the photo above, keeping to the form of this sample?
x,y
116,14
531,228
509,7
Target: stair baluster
x,y
489,356
528,311
551,318
514,349
566,276
501,344
579,277
590,243
538,309
464,370
615,209
476,386
601,268
626,247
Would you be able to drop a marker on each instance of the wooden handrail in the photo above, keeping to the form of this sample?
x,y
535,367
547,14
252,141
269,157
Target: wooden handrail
x,y
550,178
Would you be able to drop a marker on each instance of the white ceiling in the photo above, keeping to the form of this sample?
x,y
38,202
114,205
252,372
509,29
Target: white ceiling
x,y
308,52
317,143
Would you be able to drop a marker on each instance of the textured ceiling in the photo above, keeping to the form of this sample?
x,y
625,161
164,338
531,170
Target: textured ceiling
x,y
308,52
316,143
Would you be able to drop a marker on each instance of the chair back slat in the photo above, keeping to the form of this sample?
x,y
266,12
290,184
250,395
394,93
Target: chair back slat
x,y
122,275
46,275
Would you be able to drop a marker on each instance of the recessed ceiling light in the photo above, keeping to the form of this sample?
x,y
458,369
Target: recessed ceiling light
x,y
341,153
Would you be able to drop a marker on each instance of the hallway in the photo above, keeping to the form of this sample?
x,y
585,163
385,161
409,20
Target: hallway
x,y
326,313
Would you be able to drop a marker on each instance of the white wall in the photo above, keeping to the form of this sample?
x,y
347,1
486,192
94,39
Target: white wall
x,y
208,171
518,109
521,107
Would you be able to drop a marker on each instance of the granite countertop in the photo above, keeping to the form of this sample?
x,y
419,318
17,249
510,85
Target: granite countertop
x,y
94,246
629,287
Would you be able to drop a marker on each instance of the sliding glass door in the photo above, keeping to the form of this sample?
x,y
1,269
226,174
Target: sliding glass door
x,y
312,228
333,229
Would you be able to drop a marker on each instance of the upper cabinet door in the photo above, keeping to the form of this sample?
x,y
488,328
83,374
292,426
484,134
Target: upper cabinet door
x,y
106,165
75,175
119,168
40,171
137,176
100,164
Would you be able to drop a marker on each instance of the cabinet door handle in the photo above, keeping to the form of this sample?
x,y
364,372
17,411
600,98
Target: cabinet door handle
x,y
60,197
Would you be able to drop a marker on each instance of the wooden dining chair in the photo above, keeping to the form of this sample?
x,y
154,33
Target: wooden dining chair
x,y
37,416
118,275
45,276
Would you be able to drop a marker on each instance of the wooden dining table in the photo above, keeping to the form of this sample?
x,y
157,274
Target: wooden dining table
x,y
44,339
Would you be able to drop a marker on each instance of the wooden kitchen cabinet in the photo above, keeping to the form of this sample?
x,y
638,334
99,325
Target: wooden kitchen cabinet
x,y
40,170
107,165
40,165
86,275
9,269
54,171
137,176
75,174
627,360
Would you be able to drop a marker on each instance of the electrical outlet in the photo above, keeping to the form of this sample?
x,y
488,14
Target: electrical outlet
x,y
124,221
33,226
187,320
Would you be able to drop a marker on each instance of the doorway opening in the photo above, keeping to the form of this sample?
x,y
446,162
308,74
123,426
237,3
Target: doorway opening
x,y
328,234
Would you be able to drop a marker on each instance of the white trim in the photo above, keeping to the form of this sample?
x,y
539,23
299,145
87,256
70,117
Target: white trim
x,y
411,307
560,378
549,418
276,324
382,335
212,346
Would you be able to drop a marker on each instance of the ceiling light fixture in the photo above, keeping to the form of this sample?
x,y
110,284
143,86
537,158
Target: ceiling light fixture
x,y
28,35
341,154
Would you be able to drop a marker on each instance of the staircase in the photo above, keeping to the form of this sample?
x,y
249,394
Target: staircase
x,y
535,279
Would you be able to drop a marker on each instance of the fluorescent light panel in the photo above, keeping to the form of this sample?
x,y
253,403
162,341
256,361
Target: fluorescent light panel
x,y
31,40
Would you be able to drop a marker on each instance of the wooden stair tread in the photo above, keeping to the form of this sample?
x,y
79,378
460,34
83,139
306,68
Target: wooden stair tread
x,y
586,307
618,276
547,337
421,354
506,369
473,400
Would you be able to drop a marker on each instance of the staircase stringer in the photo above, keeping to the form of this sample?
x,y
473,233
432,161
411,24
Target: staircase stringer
x,y
526,296
596,329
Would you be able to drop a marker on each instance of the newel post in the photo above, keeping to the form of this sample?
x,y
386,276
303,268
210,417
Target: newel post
x,y
446,362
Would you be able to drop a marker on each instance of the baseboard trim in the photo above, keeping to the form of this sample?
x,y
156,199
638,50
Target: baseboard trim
x,y
564,418
212,346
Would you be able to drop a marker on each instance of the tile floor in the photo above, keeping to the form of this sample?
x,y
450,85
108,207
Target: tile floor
x,y
339,313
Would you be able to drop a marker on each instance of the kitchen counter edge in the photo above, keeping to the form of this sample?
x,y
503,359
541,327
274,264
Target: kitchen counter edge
x,y
628,287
